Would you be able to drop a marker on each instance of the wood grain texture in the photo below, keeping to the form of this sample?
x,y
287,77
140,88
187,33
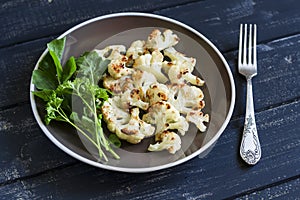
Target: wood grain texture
x,y
287,190
25,150
16,64
221,174
217,20
27,20
220,21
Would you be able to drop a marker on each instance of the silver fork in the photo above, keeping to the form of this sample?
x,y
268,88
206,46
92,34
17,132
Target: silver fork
x,y
250,149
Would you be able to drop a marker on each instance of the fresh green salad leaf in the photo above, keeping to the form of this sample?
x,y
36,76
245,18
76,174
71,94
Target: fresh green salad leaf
x,y
43,80
54,111
57,86
92,66
69,69
50,72
57,47
57,64
45,76
44,94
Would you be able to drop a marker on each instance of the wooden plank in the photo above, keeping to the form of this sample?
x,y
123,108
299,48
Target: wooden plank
x,y
220,20
16,64
286,190
27,20
220,174
24,148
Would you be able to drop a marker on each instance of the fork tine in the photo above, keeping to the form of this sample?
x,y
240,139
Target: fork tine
x,y
250,45
254,47
240,45
245,45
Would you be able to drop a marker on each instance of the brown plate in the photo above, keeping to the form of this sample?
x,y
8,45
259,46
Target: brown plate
x,y
124,28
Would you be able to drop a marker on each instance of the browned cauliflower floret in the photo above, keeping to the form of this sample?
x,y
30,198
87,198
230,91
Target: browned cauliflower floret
x,y
180,68
136,129
133,98
142,80
152,63
117,66
136,49
127,126
166,140
157,92
191,78
178,57
113,115
197,117
181,74
118,86
186,98
112,52
158,41
165,117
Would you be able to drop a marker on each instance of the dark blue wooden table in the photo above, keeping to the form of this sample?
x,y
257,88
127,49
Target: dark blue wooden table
x,y
32,167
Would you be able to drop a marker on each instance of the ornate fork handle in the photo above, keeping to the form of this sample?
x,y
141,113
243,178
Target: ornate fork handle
x,y
250,149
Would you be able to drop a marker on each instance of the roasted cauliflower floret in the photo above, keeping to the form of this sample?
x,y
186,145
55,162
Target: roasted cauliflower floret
x,y
159,41
127,126
181,125
152,63
165,117
191,78
133,98
181,74
166,140
142,80
117,68
118,86
180,68
113,115
112,52
136,49
136,129
186,98
198,118
157,92
179,58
